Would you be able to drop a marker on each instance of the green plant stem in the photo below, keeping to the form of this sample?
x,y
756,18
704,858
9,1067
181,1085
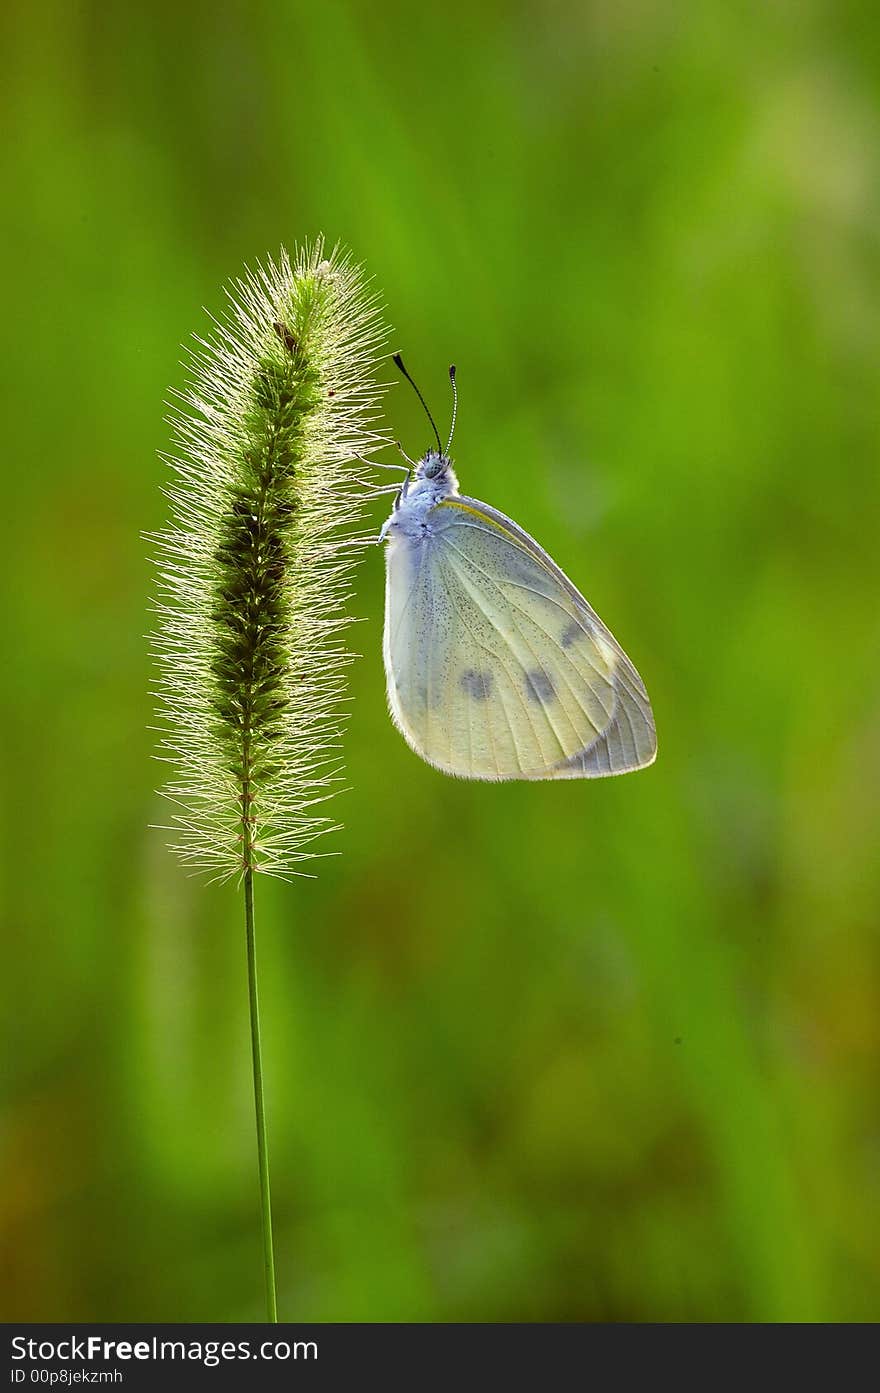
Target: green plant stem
x,y
259,1103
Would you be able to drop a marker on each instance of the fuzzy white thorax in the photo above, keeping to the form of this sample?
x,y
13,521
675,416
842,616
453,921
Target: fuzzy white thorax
x,y
433,481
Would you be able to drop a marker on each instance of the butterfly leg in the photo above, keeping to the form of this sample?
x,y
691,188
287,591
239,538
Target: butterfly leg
x,y
377,464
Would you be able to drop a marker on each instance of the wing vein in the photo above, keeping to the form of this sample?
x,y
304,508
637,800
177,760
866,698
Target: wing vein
x,y
609,715
484,647
474,594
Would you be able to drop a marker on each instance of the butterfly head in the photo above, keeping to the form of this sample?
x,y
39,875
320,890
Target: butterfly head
x,y
434,466
433,478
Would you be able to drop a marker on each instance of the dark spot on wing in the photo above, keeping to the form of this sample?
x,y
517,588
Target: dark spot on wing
x,y
477,684
572,633
538,686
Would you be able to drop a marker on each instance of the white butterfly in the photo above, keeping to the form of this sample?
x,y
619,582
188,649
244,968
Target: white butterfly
x,y
497,667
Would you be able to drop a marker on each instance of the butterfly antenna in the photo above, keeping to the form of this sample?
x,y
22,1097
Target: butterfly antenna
x,y
398,363
454,407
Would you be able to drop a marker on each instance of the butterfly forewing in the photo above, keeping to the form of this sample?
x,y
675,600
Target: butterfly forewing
x,y
630,741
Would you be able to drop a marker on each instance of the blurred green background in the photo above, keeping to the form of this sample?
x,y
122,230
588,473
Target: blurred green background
x,y
567,1052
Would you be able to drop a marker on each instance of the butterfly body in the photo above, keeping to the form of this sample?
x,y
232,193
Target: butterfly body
x,y
497,668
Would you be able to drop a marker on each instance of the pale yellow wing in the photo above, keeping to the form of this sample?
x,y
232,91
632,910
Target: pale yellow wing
x,y
497,667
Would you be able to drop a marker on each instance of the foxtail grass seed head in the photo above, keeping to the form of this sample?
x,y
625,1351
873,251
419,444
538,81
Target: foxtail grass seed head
x,y
254,569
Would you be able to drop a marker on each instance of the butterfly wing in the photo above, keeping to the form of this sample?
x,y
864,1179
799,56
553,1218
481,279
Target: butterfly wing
x,y
630,739
497,667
